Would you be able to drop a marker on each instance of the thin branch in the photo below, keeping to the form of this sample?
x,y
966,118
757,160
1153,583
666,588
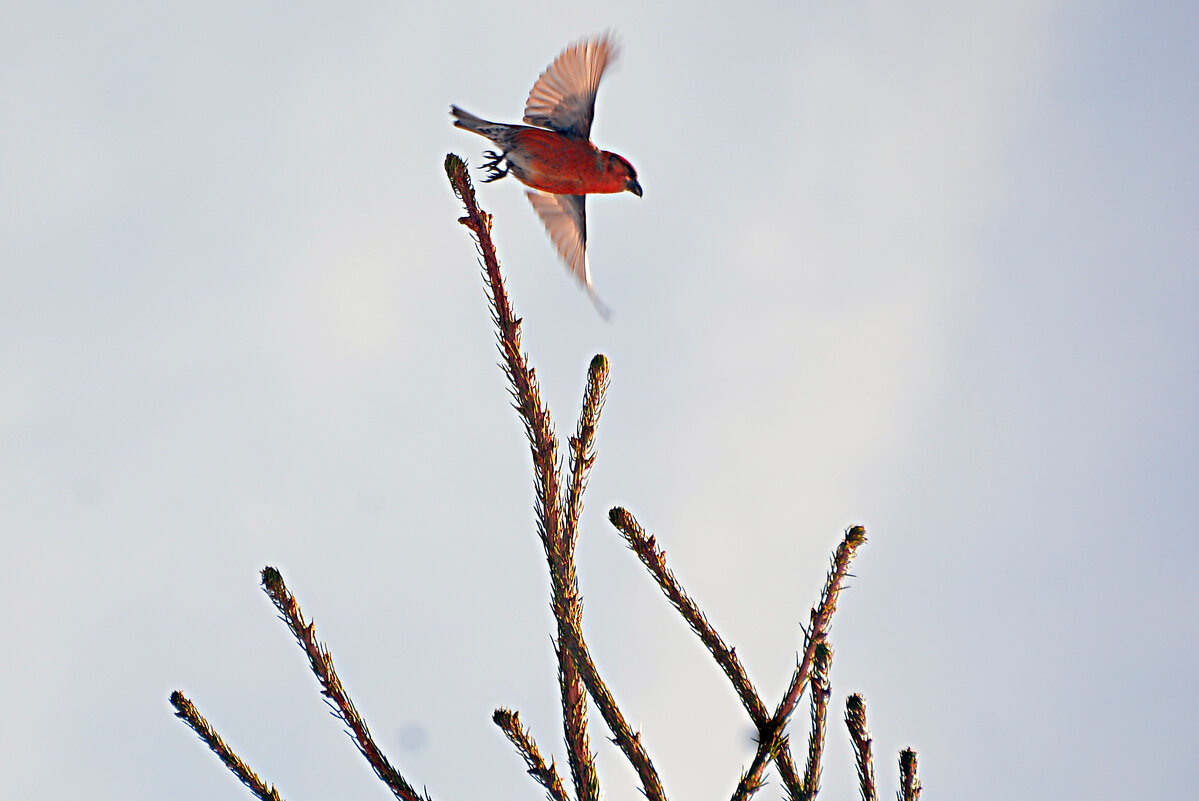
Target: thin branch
x,y
654,559
582,444
574,719
821,691
859,736
186,711
909,781
546,776
822,617
773,739
322,665
558,508
557,534
566,603
625,738
539,427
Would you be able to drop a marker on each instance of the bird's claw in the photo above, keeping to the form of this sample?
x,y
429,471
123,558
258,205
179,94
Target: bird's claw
x,y
494,173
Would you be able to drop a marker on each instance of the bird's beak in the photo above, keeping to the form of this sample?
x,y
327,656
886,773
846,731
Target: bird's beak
x,y
633,187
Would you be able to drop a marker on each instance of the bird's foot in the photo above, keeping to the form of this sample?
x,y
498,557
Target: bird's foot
x,y
494,173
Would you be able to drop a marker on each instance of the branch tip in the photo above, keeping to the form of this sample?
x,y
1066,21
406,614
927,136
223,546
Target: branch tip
x,y
272,579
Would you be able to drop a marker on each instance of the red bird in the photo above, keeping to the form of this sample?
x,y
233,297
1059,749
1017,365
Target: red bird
x,y
557,157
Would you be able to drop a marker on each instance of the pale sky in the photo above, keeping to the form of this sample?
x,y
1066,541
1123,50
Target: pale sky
x,y
929,269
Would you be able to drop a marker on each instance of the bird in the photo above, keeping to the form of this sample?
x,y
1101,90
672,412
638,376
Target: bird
x,y
552,153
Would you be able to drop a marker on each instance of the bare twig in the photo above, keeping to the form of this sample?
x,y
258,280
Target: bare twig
x,y
859,736
322,665
186,711
546,775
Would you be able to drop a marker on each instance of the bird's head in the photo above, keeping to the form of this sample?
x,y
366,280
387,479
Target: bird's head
x,y
619,165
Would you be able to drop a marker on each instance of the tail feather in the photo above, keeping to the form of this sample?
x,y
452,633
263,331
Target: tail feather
x,y
469,122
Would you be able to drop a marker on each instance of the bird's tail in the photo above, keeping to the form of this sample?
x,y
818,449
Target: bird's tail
x,y
469,122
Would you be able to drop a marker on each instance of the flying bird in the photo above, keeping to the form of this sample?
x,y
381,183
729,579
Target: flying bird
x,y
553,152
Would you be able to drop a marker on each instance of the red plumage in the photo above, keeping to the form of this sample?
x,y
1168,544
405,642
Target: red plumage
x,y
553,152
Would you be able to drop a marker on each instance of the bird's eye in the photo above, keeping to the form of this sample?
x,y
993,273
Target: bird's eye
x,y
615,161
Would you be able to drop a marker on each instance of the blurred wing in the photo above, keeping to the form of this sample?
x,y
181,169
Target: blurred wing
x,y
563,99
565,218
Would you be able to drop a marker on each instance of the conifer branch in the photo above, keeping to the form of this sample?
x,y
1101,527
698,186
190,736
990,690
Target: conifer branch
x,y
539,426
557,541
627,740
574,719
186,711
822,617
859,737
773,738
909,781
654,558
567,604
558,506
546,775
821,691
582,444
331,687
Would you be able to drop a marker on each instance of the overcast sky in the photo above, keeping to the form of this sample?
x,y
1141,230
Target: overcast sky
x,y
930,269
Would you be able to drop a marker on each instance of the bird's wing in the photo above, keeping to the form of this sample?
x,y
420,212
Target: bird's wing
x,y
565,218
563,99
